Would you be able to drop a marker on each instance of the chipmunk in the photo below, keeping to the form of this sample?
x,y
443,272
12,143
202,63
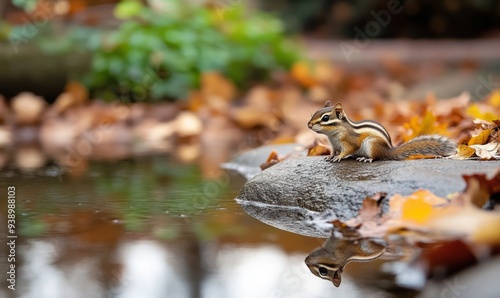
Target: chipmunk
x,y
329,261
369,140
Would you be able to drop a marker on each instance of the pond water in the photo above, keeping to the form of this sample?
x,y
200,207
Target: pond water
x,y
154,227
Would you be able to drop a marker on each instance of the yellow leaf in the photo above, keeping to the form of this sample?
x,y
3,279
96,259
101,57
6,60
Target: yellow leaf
x,y
481,138
417,211
464,152
494,99
475,112
424,126
417,207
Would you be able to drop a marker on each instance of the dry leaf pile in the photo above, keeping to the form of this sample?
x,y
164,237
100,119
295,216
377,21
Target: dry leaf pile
x,y
454,233
217,121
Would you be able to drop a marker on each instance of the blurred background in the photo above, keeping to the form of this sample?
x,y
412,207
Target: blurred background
x,y
115,117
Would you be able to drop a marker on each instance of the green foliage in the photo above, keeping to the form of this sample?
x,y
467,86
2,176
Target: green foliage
x,y
27,5
161,53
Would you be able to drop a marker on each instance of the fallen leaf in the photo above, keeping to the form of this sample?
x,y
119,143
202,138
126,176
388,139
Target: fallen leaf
x,y
494,99
214,84
187,124
481,138
28,108
464,152
426,125
79,92
415,208
474,111
318,150
195,101
423,216
487,151
479,189
272,159
302,73
64,101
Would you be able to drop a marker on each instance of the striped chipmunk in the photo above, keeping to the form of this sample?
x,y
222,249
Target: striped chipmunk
x,y
328,262
369,140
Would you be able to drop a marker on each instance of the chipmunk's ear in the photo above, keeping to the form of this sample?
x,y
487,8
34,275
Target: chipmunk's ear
x,y
339,112
327,104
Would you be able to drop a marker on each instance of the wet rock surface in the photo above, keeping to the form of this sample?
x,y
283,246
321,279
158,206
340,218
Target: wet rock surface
x,y
290,193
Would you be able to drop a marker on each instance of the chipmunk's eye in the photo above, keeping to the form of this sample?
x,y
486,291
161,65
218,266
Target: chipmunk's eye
x,y
323,271
325,118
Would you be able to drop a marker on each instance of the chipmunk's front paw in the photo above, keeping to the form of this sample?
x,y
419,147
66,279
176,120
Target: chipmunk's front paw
x,y
364,159
336,159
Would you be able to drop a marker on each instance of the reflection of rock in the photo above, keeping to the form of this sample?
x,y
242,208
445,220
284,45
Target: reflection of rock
x,y
329,261
29,158
294,189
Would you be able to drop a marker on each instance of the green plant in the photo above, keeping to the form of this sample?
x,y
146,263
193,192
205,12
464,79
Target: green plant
x,y
157,54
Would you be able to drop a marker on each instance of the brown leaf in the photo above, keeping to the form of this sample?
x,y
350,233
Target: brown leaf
x,y
214,84
79,93
492,186
452,255
369,222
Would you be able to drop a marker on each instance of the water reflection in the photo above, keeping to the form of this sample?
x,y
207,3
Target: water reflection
x,y
146,268
151,228
328,261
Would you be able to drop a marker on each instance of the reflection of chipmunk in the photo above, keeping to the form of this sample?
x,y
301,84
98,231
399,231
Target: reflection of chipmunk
x,y
329,261
369,140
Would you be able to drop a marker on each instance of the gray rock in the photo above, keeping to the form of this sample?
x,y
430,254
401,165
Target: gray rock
x,y
297,189
248,163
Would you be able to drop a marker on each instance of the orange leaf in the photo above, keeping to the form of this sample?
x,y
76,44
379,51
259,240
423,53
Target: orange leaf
x,y
318,150
272,156
481,138
272,159
420,156
301,72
